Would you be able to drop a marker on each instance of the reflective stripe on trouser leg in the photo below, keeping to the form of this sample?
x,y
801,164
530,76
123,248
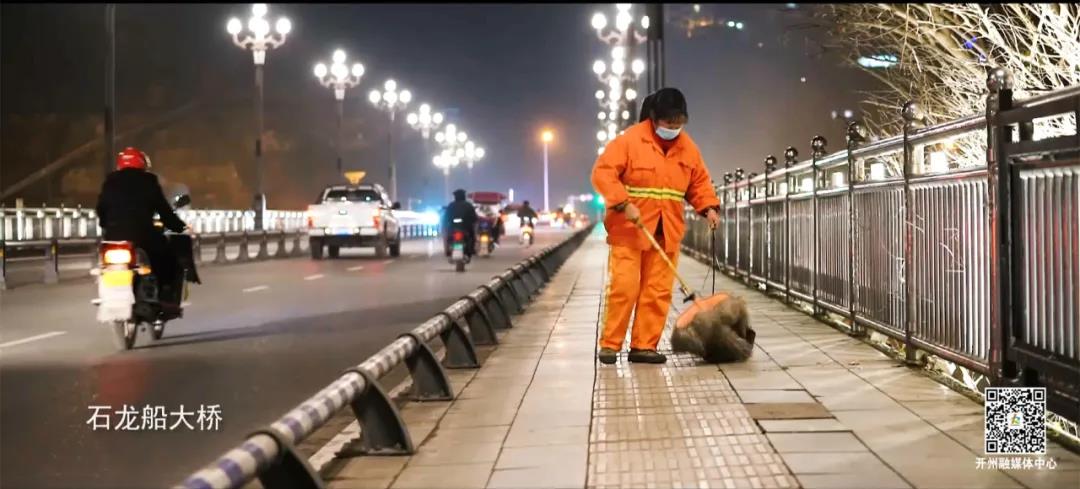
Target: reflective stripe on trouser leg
x,y
624,268
657,280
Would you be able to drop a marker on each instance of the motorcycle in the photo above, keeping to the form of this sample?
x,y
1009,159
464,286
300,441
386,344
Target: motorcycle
x,y
486,241
457,251
129,292
527,231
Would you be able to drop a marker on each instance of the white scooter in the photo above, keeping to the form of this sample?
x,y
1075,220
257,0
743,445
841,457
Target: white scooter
x,y
527,231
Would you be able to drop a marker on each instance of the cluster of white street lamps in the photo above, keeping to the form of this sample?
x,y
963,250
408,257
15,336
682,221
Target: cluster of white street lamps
x,y
620,74
455,148
339,77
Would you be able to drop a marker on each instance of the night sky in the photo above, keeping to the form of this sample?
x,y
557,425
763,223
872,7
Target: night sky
x,y
508,70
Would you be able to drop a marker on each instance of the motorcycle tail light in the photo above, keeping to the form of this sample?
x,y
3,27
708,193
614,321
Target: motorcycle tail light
x,y
117,256
459,236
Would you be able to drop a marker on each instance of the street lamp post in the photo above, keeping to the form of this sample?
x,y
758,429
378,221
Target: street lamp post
x,y
450,139
622,72
424,120
259,40
547,136
110,88
339,78
470,153
392,102
446,160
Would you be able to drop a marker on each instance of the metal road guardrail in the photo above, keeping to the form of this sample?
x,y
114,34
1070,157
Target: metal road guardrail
x,y
977,265
269,454
49,252
46,223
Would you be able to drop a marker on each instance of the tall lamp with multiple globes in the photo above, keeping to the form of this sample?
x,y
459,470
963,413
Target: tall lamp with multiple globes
x,y
391,101
446,160
339,77
424,120
259,39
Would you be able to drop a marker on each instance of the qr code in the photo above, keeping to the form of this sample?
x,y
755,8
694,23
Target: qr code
x,y
1015,420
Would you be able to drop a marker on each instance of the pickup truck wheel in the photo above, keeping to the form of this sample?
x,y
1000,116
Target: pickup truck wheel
x,y
381,248
395,249
334,251
315,247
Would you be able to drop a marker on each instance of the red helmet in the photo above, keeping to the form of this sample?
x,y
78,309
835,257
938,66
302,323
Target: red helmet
x,y
132,158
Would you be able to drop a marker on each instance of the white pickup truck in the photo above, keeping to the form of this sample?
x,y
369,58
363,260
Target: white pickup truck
x,y
353,216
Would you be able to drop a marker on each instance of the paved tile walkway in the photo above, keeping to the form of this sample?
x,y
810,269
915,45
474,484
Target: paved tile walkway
x,y
813,408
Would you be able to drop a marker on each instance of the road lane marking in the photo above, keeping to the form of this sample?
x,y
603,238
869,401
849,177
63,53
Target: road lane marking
x,y
356,269
314,277
256,288
387,262
32,338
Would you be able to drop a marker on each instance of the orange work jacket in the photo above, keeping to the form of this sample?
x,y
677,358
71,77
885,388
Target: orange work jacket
x,y
633,167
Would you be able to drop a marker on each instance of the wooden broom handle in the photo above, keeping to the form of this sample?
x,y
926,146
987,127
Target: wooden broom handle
x,y
663,254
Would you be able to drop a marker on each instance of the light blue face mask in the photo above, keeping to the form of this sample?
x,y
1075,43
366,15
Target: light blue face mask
x,y
667,134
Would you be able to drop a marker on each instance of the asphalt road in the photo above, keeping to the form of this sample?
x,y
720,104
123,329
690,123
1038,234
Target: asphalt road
x,y
257,340
25,266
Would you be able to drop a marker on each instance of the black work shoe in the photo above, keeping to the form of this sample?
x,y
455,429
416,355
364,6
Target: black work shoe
x,y
607,356
646,356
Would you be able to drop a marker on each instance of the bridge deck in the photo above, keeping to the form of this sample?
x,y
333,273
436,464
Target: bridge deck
x,y
812,408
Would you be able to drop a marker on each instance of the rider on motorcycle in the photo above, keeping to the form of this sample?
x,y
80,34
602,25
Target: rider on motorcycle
x,y
526,212
461,209
129,198
489,214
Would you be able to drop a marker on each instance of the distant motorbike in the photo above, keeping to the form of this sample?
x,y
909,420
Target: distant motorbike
x,y
485,238
457,251
527,231
129,292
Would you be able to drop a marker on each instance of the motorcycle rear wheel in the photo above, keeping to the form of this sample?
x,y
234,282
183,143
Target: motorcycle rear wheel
x,y
124,333
460,266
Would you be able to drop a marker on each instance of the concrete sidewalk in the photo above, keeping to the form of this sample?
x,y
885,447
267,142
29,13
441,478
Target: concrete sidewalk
x,y
812,408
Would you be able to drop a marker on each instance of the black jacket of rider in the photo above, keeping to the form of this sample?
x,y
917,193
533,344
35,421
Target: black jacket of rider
x,y
525,212
127,204
126,207
461,209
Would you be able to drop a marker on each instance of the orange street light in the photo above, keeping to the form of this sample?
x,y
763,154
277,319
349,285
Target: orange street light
x,y
547,136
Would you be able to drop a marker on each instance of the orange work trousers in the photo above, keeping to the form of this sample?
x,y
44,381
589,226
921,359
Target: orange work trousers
x,y
636,280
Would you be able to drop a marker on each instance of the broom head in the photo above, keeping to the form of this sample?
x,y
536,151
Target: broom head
x,y
717,328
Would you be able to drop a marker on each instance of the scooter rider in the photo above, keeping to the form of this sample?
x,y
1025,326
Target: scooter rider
x,y
489,214
461,209
129,198
526,212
